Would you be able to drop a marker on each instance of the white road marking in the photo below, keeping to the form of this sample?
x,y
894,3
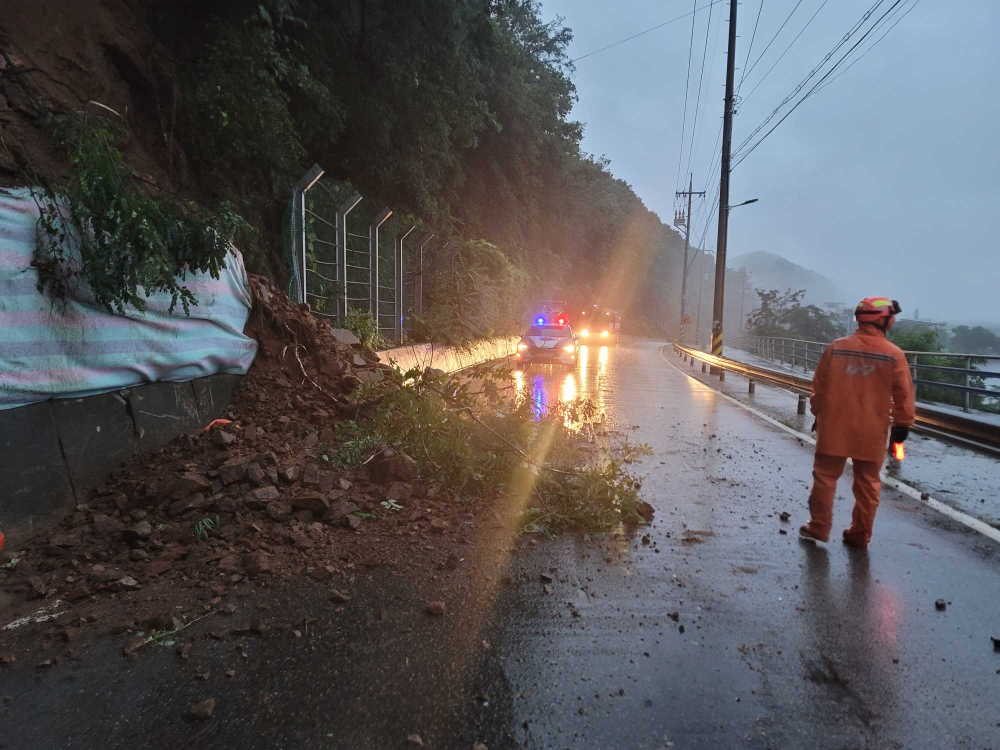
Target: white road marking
x,y
963,518
40,616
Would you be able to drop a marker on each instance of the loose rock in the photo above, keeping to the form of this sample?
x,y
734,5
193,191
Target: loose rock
x,y
203,709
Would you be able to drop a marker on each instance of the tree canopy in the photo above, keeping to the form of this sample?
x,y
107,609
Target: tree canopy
x,y
456,112
977,340
782,314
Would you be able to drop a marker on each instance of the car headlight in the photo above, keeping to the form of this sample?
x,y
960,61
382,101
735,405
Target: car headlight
x,y
604,334
584,333
522,346
570,348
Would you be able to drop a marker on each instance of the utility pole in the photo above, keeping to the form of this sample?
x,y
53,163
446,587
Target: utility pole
x,y
687,244
727,145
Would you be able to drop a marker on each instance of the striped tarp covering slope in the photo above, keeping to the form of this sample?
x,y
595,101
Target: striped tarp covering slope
x,y
72,348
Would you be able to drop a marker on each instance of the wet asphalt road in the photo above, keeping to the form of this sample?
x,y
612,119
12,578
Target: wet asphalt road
x,y
784,644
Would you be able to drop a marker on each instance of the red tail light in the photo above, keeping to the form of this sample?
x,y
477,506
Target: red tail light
x,y
898,451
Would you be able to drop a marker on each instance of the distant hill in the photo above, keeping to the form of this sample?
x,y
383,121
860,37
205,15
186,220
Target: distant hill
x,y
771,271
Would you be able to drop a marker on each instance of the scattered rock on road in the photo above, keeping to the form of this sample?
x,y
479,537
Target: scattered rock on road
x,y
203,709
436,608
940,605
413,740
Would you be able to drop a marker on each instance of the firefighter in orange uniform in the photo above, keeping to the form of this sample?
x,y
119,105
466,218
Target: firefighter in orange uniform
x,y
860,381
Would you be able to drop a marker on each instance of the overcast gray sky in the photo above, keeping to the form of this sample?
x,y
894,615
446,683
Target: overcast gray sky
x,y
887,181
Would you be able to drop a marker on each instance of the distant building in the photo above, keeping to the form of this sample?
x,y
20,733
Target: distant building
x,y
921,325
843,313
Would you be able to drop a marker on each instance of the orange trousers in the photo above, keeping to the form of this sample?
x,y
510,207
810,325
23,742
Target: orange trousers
x,y
867,486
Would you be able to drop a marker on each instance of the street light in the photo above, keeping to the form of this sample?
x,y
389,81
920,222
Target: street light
x,y
744,203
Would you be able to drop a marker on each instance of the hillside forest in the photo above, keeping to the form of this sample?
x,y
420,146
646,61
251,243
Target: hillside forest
x,y
456,113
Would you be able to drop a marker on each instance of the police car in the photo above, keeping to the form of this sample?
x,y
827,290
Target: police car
x,y
549,340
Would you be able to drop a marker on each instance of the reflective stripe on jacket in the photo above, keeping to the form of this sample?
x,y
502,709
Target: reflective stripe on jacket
x,y
860,381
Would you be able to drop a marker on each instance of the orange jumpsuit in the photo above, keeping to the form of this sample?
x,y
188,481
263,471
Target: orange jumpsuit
x,y
860,381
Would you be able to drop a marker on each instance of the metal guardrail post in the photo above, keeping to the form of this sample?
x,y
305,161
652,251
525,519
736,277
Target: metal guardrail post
x,y
965,395
752,388
802,404
345,208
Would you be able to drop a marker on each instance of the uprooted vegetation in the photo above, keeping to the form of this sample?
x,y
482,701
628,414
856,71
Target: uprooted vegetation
x,y
475,434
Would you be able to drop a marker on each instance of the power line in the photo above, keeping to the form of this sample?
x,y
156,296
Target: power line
x,y
802,84
752,37
787,19
711,73
701,78
687,85
818,83
858,59
785,52
652,28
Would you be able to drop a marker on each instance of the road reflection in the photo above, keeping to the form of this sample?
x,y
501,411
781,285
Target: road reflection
x,y
547,385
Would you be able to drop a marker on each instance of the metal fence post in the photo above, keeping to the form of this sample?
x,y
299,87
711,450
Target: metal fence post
x,y
381,218
418,284
345,208
309,179
400,285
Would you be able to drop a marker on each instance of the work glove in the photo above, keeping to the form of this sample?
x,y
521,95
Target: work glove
x,y
899,433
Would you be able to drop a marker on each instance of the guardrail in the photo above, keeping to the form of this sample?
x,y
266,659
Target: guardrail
x,y
806,354
956,427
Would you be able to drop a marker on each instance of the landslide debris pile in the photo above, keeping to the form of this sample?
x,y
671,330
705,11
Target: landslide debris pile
x,y
254,495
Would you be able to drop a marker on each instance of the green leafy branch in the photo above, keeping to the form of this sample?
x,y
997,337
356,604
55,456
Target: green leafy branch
x,y
123,243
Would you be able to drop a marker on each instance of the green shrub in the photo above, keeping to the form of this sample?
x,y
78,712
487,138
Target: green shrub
x,y
362,324
131,244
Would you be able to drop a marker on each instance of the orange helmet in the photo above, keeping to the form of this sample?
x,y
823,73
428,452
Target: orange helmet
x,y
871,309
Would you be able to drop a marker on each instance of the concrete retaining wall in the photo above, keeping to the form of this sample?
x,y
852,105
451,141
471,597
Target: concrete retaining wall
x,y
449,358
55,452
